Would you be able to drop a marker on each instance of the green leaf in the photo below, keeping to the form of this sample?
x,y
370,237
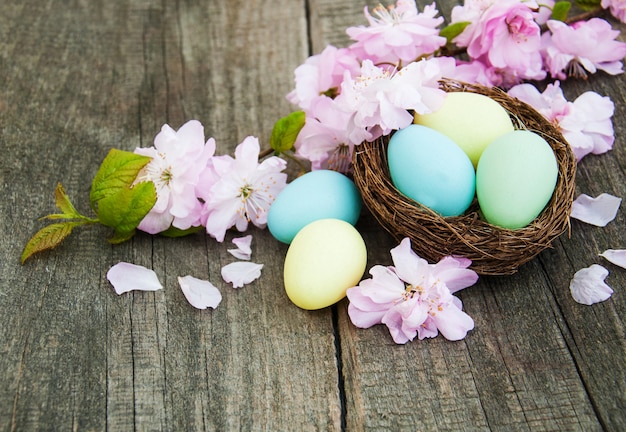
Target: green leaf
x,y
286,131
118,171
49,237
177,232
453,30
588,5
560,10
125,209
64,204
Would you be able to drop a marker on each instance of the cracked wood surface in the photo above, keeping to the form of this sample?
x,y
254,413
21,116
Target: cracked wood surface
x,y
78,78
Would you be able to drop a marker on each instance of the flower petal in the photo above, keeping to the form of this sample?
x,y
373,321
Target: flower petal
x,y
616,256
588,287
127,277
241,273
243,251
201,294
597,211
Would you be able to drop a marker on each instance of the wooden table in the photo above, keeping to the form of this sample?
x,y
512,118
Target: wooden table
x,y
78,78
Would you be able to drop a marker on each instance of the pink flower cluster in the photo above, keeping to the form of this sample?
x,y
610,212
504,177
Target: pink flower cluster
x,y
363,91
197,188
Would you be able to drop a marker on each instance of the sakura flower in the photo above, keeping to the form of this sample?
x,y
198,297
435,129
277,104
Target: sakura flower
x,y
617,8
201,294
243,251
178,159
378,99
128,277
585,123
588,286
413,298
321,74
597,211
616,256
397,33
585,46
504,36
244,191
241,273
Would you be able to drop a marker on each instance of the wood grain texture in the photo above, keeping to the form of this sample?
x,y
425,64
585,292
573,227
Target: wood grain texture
x,y
78,78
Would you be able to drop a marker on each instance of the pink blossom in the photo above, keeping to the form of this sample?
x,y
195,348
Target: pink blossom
x,y
617,8
397,33
582,47
588,286
178,159
200,294
598,211
320,74
244,190
585,123
504,36
414,298
378,99
128,277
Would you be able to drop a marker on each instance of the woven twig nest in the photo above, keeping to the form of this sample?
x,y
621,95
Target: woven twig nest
x,y
493,250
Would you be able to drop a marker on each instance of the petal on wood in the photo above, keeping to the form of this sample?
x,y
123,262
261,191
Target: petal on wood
x,y
597,211
201,294
243,251
588,286
128,277
616,256
241,273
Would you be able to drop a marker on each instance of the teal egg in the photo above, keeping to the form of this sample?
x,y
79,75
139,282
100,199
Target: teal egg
x,y
428,167
319,194
515,179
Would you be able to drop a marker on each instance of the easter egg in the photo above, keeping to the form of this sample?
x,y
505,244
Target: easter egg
x,y
471,120
315,195
515,179
325,258
428,167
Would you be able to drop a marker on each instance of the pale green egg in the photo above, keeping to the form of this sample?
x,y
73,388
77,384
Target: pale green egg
x,y
515,179
324,259
471,120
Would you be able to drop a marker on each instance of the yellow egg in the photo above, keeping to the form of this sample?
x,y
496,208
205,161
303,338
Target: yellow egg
x,y
471,120
324,259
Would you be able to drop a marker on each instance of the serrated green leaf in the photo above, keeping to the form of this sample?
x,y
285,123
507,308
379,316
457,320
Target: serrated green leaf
x,y
286,131
118,171
125,209
453,30
48,237
560,10
121,236
63,203
174,232
588,5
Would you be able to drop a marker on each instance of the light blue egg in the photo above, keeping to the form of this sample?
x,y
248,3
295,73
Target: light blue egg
x,y
428,167
319,194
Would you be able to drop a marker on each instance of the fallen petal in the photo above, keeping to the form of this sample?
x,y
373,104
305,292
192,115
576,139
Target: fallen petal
x,y
588,287
127,277
241,273
596,211
201,294
243,250
616,256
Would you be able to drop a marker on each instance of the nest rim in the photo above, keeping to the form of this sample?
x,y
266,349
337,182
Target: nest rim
x,y
493,250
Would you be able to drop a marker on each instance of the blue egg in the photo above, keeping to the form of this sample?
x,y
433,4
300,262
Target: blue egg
x,y
428,167
319,194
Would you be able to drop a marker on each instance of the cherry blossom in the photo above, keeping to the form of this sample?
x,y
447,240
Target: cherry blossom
x,y
585,123
244,191
178,159
597,211
617,8
201,294
414,298
581,48
588,286
128,277
397,33
241,273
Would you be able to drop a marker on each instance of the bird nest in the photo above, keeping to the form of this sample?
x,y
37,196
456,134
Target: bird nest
x,y
493,250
